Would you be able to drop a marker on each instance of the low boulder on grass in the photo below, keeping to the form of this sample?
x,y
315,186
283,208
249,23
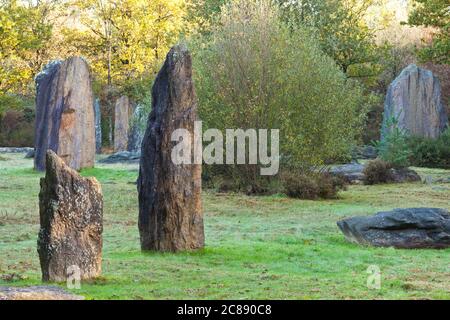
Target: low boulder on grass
x,y
400,228
37,293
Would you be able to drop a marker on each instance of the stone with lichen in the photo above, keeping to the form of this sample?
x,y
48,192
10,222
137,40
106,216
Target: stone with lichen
x,y
64,114
71,213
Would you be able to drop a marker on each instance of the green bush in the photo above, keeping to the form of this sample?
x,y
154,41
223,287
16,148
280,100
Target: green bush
x,y
330,185
226,178
431,153
301,186
17,128
402,150
377,171
312,185
10,102
393,147
255,71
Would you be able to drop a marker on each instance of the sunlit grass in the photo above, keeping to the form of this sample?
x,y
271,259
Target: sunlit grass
x,y
256,247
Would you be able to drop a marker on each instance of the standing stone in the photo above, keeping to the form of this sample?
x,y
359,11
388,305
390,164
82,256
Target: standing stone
x,y
64,114
414,100
98,126
71,211
121,124
138,125
170,213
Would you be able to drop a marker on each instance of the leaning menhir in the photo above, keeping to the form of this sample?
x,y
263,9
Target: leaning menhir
x,y
414,101
170,213
71,213
64,114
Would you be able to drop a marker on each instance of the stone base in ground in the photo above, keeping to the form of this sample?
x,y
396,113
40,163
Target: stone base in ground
x,y
36,293
122,157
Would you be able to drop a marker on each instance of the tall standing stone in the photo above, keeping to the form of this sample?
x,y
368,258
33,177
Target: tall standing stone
x,y
64,114
98,126
71,212
414,100
138,125
121,124
170,213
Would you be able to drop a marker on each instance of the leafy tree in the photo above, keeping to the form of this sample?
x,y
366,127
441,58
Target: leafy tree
x,y
203,13
25,31
253,71
126,40
435,14
341,28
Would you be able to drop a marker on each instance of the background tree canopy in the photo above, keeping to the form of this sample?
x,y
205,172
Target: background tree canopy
x,y
126,41
256,71
435,14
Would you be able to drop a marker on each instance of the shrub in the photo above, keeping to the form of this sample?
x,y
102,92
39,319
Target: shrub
x,y
402,150
312,185
226,186
377,171
11,102
255,71
393,147
432,153
225,178
301,186
330,185
17,128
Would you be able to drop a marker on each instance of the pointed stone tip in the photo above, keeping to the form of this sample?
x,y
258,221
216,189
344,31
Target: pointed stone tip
x,y
51,156
412,66
178,52
77,59
51,160
49,68
180,47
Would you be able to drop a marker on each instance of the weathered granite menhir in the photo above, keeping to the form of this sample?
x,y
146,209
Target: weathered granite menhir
x,y
122,111
98,126
400,228
170,212
64,114
138,125
414,101
71,213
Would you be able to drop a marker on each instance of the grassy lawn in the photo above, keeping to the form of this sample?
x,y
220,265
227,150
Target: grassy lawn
x,y
256,247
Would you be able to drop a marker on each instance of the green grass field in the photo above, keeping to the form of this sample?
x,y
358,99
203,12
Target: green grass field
x,y
256,247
